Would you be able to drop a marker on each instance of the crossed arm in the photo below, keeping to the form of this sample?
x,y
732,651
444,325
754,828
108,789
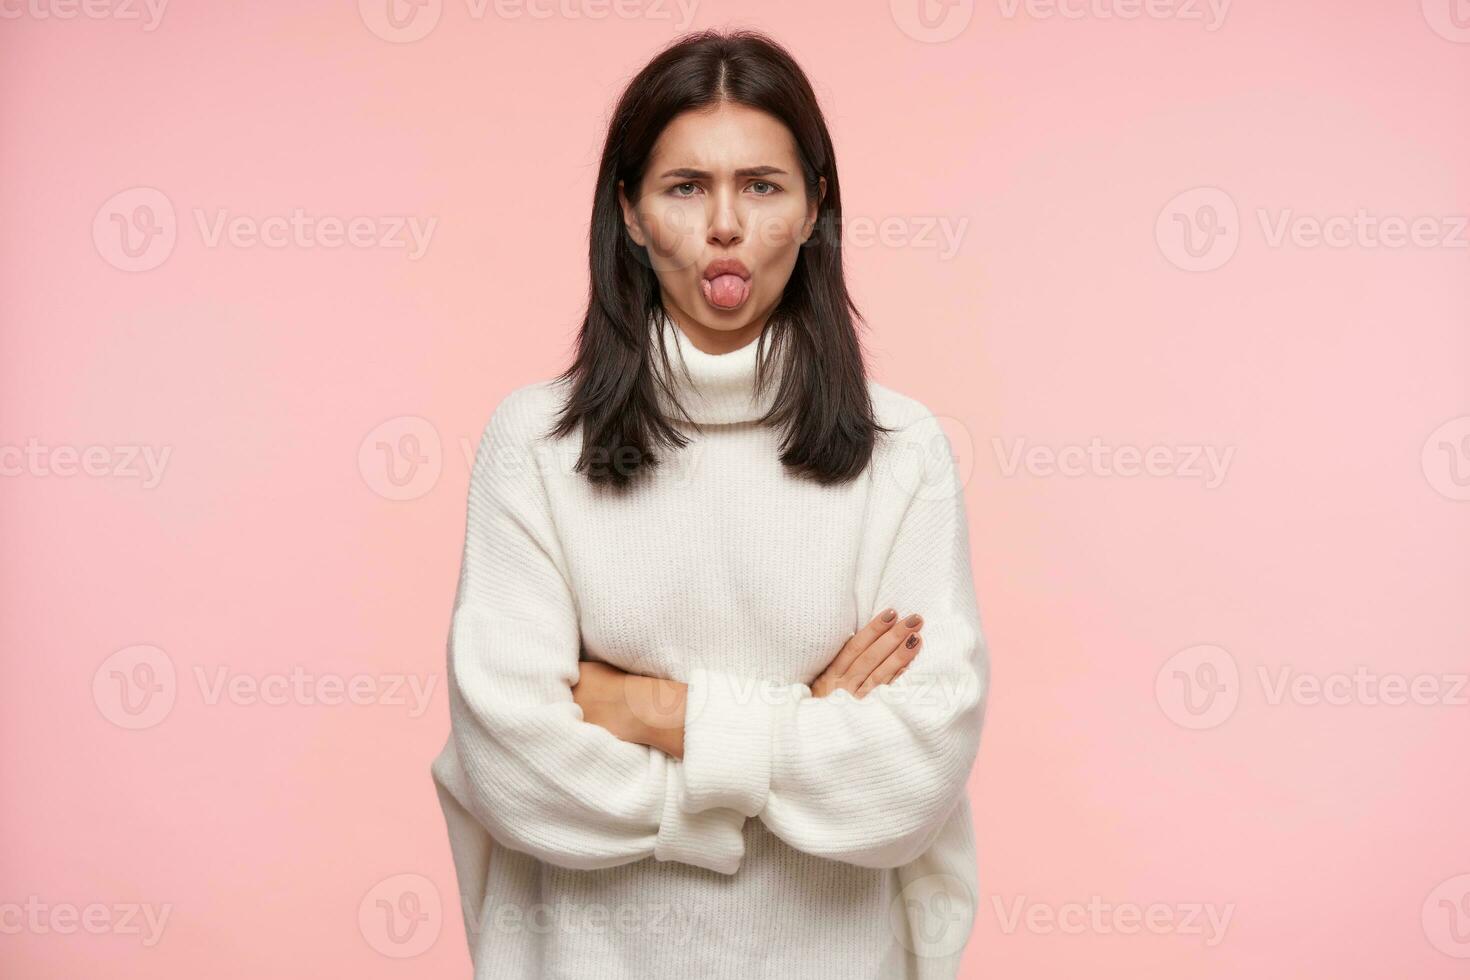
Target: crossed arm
x,y
867,778
652,711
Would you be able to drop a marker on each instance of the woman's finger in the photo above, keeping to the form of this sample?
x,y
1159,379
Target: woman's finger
x,y
880,650
896,664
860,641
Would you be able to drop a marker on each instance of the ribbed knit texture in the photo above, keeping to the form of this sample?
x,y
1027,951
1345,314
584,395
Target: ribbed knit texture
x,y
797,836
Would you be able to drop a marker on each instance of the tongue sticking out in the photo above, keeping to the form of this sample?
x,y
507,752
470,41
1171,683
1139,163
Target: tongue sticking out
x,y
726,292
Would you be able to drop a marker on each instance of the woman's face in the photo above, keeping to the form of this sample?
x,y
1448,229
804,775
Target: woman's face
x,y
722,184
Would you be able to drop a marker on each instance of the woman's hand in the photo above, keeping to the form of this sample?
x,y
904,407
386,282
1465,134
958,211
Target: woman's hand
x,y
874,655
634,707
602,692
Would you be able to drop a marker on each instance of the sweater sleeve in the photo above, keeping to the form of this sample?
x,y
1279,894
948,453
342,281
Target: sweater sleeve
x,y
520,757
866,781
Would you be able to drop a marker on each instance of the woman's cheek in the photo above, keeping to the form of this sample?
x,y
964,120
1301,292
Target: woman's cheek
x,y
677,232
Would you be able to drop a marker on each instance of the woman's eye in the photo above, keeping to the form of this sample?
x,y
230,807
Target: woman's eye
x,y
677,189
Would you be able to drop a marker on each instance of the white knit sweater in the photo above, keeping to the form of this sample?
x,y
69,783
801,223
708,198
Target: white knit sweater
x,y
798,836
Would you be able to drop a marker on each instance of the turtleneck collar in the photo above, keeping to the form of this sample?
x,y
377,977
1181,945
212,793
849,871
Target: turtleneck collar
x,y
712,388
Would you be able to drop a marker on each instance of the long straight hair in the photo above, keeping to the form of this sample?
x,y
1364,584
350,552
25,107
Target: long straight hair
x,y
822,405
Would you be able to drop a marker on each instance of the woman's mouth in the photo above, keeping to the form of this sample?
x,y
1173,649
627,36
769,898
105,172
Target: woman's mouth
x,y
725,292
725,283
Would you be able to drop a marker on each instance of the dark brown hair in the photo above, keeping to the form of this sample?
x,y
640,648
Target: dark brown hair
x,y
822,404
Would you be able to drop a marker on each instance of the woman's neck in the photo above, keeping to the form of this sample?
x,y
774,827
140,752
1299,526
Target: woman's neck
x,y
714,341
708,387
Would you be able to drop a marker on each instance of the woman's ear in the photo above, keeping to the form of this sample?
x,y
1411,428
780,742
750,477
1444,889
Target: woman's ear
x,y
630,217
812,209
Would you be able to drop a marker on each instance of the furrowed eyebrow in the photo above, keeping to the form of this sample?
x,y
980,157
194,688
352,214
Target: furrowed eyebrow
x,y
692,174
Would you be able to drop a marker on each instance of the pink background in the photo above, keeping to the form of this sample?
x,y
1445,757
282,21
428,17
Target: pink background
x,y
294,839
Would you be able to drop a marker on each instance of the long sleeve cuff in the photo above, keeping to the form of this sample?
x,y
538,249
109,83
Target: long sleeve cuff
x,y
712,839
728,730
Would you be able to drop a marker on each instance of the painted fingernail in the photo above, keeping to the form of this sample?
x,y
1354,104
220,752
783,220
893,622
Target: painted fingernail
x,y
913,620
888,615
912,641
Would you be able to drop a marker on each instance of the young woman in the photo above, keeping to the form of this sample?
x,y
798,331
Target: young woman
x,y
717,675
